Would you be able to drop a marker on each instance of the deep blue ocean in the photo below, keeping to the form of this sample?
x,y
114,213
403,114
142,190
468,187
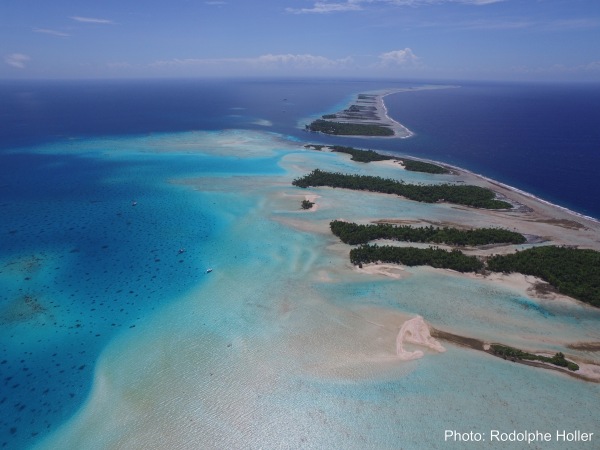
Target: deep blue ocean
x,y
541,138
80,260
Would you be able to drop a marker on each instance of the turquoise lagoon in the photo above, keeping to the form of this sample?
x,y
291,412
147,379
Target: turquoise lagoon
x,y
283,344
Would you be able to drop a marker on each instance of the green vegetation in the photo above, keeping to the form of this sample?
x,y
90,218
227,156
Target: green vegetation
x,y
307,204
514,354
475,196
411,256
364,156
370,155
420,166
573,272
318,147
352,233
349,129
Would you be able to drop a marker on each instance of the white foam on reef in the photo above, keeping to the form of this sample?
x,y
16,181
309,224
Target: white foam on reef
x,y
493,182
512,189
415,331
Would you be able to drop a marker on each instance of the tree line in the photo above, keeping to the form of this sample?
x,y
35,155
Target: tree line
x,y
352,233
420,166
468,195
349,129
412,256
370,155
573,272
364,156
506,352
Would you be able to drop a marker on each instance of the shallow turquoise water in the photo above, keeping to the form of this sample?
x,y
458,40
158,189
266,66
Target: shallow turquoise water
x,y
92,232
282,345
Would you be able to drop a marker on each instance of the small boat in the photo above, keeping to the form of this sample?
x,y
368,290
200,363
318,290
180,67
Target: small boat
x,y
181,250
208,270
133,203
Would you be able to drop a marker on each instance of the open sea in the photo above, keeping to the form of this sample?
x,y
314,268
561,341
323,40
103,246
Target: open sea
x,y
116,196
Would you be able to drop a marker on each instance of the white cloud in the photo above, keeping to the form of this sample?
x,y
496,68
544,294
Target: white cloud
x,y
494,25
119,65
92,20
403,58
269,60
592,67
17,60
434,2
51,32
305,60
325,7
321,7
481,2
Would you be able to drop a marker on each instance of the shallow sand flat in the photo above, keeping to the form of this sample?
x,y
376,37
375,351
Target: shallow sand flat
x,y
286,344
551,224
388,270
221,143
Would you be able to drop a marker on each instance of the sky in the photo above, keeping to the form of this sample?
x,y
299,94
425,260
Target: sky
x,y
530,40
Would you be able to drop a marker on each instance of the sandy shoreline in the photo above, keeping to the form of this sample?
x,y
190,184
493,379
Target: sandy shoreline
x,y
540,221
557,225
533,216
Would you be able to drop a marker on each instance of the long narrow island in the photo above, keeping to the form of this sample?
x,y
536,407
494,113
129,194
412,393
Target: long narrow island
x,y
366,116
460,194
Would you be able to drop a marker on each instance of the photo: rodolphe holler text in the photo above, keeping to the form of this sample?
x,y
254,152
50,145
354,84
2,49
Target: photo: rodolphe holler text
x,y
518,436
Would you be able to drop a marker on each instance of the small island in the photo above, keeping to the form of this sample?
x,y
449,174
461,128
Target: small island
x,y
557,362
307,204
572,271
349,129
514,354
366,116
352,233
467,195
366,156
412,256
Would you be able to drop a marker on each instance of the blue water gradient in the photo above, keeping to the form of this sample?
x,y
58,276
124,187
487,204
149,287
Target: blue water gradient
x,y
542,139
102,184
90,246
